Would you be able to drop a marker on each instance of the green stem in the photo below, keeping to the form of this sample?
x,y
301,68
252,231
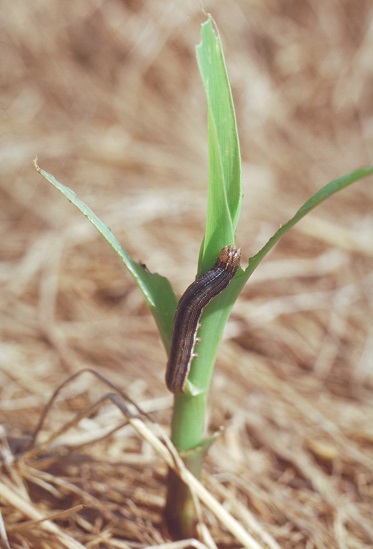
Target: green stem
x,y
188,429
188,421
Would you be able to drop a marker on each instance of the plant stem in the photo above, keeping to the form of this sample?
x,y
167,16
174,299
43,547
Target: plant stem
x,y
188,428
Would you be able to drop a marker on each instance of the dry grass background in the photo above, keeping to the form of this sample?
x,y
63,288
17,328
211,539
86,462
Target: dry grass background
x,y
108,95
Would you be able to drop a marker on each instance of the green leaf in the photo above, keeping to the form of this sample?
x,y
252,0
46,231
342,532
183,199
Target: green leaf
x,y
325,192
155,288
224,194
224,188
218,311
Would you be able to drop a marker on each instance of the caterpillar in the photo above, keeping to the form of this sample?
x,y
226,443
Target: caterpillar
x,y
188,313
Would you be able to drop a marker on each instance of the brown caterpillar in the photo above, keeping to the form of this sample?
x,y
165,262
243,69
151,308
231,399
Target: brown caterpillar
x,y
188,313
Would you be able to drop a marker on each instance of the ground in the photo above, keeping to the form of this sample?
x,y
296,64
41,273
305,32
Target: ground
x,y
108,96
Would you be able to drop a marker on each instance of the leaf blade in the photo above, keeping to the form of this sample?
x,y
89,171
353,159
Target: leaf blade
x,y
155,288
224,188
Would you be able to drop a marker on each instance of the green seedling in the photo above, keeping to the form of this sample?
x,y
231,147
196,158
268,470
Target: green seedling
x,y
224,202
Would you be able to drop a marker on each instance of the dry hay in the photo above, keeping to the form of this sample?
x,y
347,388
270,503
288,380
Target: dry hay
x,y
108,95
